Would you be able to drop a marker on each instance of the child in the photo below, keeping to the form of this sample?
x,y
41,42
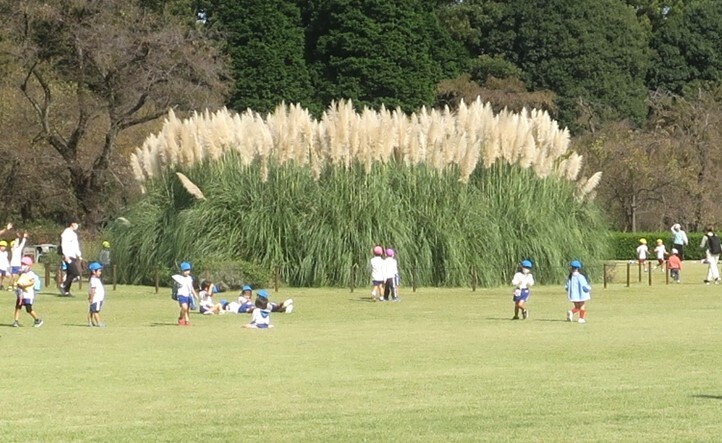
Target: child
x,y
674,264
25,292
377,273
261,316
16,249
523,280
391,283
578,291
660,252
286,306
207,305
713,248
186,293
642,251
96,295
4,263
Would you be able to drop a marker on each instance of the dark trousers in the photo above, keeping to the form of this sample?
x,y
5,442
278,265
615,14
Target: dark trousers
x,y
680,250
72,273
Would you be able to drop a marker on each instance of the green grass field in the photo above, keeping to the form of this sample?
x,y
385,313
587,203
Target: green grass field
x,y
442,365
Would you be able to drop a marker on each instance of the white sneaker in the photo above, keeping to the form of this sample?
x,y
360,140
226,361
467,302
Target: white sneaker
x,y
288,302
581,320
570,315
289,308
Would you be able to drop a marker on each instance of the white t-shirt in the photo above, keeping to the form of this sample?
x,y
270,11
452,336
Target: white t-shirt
x,y
261,317
378,272
642,251
392,267
207,300
523,281
17,253
99,294
69,243
4,262
660,250
233,307
28,293
185,286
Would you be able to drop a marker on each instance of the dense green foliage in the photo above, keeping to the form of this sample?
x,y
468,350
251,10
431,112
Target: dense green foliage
x,y
624,244
265,43
688,48
321,232
376,52
590,51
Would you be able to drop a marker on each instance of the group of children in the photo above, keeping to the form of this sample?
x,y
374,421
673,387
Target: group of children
x,y
384,275
579,291
260,308
672,260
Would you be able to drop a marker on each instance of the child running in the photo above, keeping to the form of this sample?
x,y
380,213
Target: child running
x,y
261,316
96,295
25,293
523,280
674,264
642,251
186,293
578,291
660,251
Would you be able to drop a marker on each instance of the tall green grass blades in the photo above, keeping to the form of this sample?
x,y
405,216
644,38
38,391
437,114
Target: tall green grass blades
x,y
457,195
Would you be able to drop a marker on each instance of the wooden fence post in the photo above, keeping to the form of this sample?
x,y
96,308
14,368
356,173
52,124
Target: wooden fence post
x,y
473,278
605,276
47,274
413,279
156,280
353,276
629,266
649,271
115,280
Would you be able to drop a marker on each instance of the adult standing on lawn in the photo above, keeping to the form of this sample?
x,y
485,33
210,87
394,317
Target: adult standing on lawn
x,y
71,255
713,248
679,239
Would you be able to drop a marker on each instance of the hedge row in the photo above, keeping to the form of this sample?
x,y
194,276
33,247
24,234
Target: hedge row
x,y
624,244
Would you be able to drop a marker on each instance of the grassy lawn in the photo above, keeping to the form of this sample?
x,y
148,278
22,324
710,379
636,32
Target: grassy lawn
x,y
443,365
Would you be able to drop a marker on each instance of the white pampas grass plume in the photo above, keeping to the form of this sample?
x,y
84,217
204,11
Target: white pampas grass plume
x,y
587,187
191,187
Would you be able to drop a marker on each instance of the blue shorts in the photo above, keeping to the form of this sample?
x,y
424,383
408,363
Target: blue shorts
x,y
523,296
187,300
3,272
19,302
95,307
377,282
15,270
246,308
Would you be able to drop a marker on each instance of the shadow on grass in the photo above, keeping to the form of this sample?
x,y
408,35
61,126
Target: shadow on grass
x,y
77,325
554,320
708,396
153,325
363,299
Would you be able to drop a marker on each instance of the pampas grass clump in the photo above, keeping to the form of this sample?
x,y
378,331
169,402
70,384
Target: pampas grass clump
x,y
456,194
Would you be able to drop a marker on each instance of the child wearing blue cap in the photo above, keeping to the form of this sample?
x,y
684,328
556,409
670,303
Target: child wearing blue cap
x,y
523,280
578,291
261,316
186,293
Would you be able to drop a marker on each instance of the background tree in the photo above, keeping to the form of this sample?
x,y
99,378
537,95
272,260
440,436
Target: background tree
x,y
122,65
591,50
687,49
376,52
265,42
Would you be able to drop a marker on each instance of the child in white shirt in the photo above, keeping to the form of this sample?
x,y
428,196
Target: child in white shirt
x,y
96,294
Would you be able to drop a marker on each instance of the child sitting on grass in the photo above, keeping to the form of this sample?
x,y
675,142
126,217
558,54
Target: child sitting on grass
x,y
261,316
207,305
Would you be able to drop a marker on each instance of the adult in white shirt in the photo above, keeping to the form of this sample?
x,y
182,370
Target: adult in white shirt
x,y
71,255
